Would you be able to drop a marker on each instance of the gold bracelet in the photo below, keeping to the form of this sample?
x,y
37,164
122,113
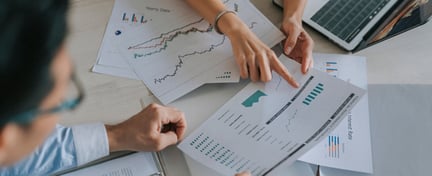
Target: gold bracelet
x,y
218,16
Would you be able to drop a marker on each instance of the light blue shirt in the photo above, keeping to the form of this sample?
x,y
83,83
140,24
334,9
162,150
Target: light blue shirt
x,y
65,148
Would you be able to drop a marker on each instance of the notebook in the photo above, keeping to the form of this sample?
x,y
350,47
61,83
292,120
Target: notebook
x,y
356,24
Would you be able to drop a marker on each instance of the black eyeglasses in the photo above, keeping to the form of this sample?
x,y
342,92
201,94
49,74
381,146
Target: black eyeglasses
x,y
67,105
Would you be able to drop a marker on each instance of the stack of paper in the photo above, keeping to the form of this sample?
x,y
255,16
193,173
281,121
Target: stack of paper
x,y
171,48
265,125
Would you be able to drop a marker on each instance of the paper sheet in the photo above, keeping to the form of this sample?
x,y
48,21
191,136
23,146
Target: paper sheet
x,y
111,62
177,51
326,171
349,145
265,125
138,164
218,74
179,45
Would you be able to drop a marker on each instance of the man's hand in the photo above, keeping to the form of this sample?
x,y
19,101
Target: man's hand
x,y
152,129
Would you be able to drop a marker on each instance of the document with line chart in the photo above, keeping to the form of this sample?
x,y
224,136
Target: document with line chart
x,y
180,46
128,15
266,125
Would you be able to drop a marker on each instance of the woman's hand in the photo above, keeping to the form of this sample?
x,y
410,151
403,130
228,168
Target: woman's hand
x,y
254,58
298,44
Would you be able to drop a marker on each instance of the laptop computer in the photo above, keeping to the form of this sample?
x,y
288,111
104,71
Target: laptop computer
x,y
352,24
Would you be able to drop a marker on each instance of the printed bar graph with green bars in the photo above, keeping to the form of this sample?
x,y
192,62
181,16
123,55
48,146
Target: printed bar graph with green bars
x,y
313,94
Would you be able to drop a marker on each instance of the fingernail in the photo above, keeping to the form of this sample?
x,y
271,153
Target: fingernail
x,y
288,50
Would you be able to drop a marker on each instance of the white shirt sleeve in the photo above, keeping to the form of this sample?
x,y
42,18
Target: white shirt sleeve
x,y
91,142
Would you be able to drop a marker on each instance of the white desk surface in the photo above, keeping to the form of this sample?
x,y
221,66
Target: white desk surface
x,y
404,59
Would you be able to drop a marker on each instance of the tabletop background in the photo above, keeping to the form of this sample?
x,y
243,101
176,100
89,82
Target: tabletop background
x,y
404,59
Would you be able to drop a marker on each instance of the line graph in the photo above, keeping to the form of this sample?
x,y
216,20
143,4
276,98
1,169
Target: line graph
x,y
166,33
163,39
288,121
180,59
252,25
180,63
167,39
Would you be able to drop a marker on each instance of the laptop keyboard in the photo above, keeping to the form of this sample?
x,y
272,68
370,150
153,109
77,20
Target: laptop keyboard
x,y
346,18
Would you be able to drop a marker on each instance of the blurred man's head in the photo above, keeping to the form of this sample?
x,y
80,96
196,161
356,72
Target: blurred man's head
x,y
34,73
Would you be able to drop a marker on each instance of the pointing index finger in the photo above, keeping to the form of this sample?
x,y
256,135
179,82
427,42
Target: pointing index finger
x,y
279,68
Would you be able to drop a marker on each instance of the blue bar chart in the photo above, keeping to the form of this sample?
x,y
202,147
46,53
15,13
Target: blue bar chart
x,y
331,67
335,146
313,94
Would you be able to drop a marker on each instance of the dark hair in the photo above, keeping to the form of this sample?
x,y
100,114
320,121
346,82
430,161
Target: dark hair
x,y
31,32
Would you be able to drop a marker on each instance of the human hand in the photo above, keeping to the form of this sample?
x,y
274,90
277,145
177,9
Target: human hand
x,y
243,174
298,44
152,129
254,58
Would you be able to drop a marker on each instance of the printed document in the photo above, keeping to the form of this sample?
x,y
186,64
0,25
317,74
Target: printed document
x,y
265,125
137,164
128,15
347,147
172,49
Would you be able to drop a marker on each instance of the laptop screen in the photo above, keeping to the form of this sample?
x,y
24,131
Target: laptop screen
x,y
346,19
345,22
